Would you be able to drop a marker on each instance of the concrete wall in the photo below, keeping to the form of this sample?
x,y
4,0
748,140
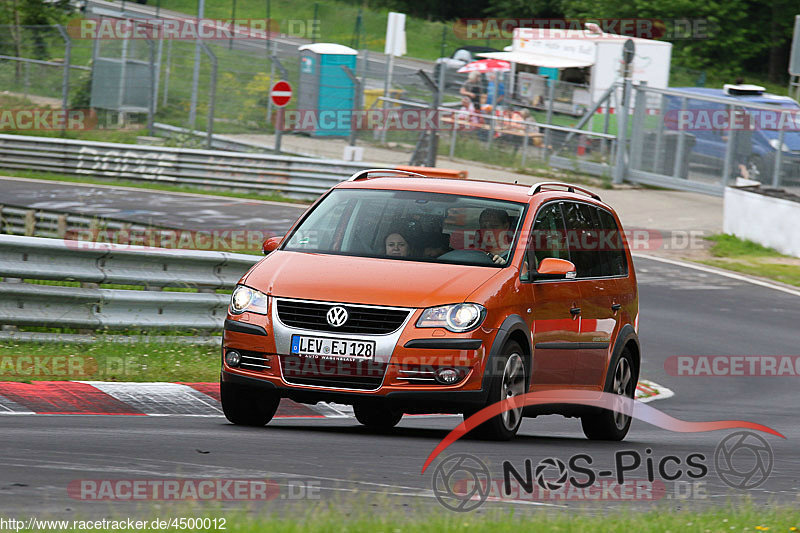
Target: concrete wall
x,y
772,222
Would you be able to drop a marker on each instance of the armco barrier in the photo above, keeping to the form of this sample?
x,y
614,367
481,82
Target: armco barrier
x,y
292,176
32,258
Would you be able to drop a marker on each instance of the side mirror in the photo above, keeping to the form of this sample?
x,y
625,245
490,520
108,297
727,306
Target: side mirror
x,y
552,268
271,244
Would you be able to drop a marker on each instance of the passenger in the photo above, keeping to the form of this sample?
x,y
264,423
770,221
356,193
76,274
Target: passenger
x,y
495,234
397,245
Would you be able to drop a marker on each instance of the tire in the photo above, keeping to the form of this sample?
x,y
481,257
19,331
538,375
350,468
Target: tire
x,y
376,416
245,406
512,382
602,424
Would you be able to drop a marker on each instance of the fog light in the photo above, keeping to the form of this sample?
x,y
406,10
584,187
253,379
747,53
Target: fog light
x,y
447,376
233,358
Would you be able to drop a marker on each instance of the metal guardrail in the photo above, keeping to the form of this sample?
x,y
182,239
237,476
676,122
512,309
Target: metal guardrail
x,y
91,307
293,176
43,223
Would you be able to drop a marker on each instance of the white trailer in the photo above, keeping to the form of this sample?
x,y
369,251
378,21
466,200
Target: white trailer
x,y
594,56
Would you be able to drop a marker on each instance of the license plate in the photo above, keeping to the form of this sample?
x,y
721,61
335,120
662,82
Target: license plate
x,y
326,347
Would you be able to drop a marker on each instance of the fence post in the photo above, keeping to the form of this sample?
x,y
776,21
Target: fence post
x,y
278,130
679,151
776,169
212,95
356,93
151,104
67,63
525,144
637,130
551,95
166,73
730,152
622,133
658,155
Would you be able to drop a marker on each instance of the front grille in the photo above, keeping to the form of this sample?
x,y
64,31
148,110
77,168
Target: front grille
x,y
360,375
364,320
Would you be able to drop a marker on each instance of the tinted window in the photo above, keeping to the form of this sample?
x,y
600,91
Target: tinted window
x,y
582,239
547,238
613,249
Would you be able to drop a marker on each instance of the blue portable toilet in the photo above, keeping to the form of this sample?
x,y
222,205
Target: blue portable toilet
x,y
324,86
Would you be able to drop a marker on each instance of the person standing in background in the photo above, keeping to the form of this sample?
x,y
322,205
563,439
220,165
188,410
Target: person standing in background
x,y
472,89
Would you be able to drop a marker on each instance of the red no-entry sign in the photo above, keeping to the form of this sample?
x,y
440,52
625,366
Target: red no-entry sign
x,y
281,93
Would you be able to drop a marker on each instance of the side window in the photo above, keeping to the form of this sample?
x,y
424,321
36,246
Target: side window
x,y
547,238
612,248
582,240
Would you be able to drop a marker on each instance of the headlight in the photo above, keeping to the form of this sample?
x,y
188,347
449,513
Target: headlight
x,y
247,299
457,318
774,143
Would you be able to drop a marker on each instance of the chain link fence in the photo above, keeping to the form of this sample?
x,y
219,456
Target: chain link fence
x,y
540,122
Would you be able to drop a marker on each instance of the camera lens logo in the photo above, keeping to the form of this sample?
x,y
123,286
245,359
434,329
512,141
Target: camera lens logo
x,y
544,467
743,460
461,482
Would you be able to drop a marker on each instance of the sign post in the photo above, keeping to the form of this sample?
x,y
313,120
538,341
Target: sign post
x,y
280,94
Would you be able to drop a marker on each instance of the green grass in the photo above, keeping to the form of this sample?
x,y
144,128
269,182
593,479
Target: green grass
x,y
271,197
748,257
388,518
109,361
730,246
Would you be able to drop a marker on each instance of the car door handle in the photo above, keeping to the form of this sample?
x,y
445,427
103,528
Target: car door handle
x,y
616,307
575,311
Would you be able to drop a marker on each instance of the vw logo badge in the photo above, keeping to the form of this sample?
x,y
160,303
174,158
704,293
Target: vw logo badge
x,y
337,316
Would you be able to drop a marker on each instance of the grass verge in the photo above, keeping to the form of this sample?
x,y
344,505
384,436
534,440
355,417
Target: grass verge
x,y
108,361
366,518
748,257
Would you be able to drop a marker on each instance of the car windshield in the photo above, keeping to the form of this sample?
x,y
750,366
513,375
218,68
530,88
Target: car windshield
x,y
411,226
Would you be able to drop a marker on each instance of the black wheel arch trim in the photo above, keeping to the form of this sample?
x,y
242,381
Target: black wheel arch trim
x,y
626,335
510,325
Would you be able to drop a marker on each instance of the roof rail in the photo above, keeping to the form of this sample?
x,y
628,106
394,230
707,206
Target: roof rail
x,y
383,172
539,187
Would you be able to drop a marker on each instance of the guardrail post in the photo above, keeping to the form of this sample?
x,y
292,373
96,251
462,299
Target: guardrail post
x,y
30,223
622,133
61,226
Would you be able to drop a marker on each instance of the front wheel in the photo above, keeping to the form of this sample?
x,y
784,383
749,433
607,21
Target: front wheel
x,y
512,382
603,424
245,406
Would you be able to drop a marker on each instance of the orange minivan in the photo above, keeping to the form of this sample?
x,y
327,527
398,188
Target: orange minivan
x,y
400,293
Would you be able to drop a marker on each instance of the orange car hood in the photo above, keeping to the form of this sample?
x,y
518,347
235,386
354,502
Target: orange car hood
x,y
336,278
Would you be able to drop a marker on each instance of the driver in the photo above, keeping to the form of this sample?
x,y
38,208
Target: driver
x,y
495,234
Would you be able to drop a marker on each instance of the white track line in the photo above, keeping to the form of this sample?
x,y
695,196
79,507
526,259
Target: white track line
x,y
720,272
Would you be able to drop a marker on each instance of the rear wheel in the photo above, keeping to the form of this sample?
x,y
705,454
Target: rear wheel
x,y
603,424
246,406
508,384
377,416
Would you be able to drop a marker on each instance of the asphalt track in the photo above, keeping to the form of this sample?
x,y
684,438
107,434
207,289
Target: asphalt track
x,y
148,207
683,312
